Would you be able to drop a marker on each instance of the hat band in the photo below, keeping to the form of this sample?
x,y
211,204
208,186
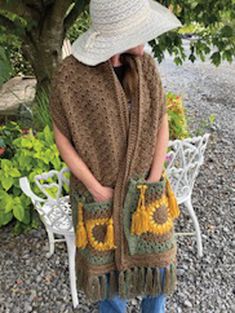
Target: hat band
x,y
91,39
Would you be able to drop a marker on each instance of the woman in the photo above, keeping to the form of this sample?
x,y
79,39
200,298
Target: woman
x,y
110,124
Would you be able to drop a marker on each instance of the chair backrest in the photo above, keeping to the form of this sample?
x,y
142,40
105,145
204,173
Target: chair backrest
x,y
55,213
45,186
66,48
183,162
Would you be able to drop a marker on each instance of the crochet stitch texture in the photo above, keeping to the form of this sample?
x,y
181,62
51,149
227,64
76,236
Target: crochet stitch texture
x,y
128,238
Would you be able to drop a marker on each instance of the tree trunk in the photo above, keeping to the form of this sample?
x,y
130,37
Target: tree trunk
x,y
44,56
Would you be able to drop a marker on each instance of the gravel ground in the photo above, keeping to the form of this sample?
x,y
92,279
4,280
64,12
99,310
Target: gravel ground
x,y
31,283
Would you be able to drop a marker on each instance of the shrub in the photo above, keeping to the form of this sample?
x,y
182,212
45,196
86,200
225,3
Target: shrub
x,y
176,115
24,154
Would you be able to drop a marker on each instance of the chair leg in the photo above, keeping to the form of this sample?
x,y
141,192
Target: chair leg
x,y
70,241
51,243
188,204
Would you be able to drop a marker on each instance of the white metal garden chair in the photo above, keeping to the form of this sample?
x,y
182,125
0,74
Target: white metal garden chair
x,y
56,215
66,48
184,160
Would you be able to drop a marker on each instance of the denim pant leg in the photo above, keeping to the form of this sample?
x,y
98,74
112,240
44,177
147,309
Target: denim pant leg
x,y
114,305
150,304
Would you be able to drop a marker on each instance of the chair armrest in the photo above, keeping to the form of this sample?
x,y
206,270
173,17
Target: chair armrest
x,y
25,186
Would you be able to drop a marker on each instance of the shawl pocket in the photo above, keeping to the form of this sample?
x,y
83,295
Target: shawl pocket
x,y
149,216
95,231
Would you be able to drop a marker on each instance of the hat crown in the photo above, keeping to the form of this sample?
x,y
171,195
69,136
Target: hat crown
x,y
108,15
119,25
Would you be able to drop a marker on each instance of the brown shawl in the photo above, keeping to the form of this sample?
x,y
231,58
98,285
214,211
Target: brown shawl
x,y
89,106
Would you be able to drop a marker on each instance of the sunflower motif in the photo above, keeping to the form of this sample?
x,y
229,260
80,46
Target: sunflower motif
x,y
143,219
108,242
159,228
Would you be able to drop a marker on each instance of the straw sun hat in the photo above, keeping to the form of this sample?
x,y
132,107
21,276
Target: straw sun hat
x,y
117,26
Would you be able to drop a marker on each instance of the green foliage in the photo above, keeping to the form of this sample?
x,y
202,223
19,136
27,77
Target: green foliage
x,y
11,40
29,155
205,124
40,110
80,26
5,66
178,128
13,45
212,24
8,133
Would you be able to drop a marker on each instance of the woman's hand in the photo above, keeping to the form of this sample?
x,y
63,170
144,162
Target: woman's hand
x,y
102,193
80,169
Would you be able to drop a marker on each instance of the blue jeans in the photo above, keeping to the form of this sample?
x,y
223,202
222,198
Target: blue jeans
x,y
149,304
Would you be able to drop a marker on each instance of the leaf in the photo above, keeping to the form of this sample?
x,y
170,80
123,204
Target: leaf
x,y
227,55
6,164
5,218
18,212
7,182
215,57
9,205
227,31
26,143
192,57
178,61
15,173
48,135
27,218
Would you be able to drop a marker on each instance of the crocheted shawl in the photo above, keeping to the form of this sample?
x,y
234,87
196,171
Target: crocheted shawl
x,y
129,238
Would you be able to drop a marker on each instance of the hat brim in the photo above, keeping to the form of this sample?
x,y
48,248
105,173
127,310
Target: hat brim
x,y
159,21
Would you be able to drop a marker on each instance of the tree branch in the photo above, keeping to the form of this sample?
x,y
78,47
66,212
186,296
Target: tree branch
x,y
35,8
74,13
18,9
52,22
54,16
11,26
59,10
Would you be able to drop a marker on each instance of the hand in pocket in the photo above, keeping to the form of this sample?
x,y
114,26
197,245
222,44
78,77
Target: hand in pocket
x,y
103,194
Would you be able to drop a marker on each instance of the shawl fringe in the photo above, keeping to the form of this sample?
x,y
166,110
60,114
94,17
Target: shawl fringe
x,y
129,283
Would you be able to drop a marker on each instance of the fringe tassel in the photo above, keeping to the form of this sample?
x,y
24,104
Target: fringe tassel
x,y
81,235
140,280
122,285
113,284
172,201
135,279
94,288
129,283
149,281
140,219
157,282
109,239
103,286
167,281
79,276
